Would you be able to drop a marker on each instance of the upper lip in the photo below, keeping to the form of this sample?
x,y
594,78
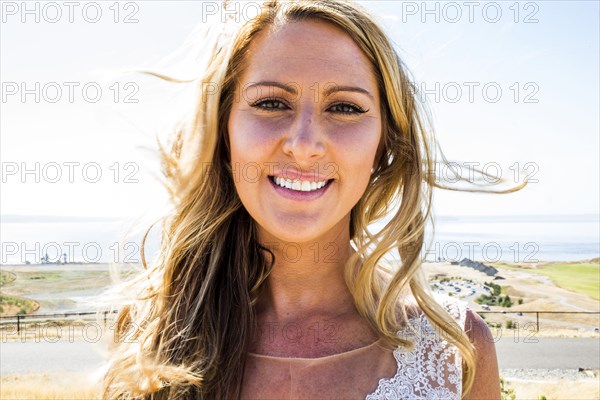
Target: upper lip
x,y
301,176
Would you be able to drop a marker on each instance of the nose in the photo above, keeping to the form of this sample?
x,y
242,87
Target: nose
x,y
304,141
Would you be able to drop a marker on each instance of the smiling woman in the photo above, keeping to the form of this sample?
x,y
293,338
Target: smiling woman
x,y
271,286
326,132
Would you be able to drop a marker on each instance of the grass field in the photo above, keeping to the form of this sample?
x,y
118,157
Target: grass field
x,y
581,278
46,386
30,282
80,386
577,277
48,288
10,305
558,389
6,277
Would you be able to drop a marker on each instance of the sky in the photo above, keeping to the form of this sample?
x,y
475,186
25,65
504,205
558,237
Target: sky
x,y
512,87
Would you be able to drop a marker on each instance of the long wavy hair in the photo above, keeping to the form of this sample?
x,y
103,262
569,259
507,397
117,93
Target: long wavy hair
x,y
186,331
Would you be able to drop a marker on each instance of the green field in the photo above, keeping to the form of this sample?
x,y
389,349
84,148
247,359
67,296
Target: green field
x,y
53,281
581,278
54,286
16,305
6,278
578,277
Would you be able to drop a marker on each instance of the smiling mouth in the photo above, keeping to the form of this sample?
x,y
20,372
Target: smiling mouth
x,y
299,185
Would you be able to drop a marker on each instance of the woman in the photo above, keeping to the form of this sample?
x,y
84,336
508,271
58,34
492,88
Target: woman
x,y
269,284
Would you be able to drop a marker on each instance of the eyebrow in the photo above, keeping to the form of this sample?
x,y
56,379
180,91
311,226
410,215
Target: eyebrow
x,y
329,91
355,89
287,88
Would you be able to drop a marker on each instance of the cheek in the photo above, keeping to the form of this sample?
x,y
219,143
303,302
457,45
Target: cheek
x,y
249,137
250,147
240,134
358,143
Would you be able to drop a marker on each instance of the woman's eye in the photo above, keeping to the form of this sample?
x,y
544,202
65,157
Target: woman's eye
x,y
345,108
270,105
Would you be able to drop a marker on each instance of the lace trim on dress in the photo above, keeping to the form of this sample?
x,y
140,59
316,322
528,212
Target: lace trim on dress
x,y
433,369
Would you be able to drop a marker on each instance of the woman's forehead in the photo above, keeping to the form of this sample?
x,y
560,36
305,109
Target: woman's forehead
x,y
307,52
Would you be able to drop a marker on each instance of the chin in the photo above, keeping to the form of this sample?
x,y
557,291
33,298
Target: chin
x,y
302,230
290,235
291,232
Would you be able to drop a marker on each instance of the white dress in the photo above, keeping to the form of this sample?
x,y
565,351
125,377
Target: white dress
x,y
431,370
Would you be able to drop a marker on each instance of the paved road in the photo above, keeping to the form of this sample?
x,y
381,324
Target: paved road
x,y
547,353
560,353
78,356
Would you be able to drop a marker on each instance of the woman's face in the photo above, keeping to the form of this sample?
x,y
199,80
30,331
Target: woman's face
x,y
304,129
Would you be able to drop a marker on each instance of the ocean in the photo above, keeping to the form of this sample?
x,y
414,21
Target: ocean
x,y
522,239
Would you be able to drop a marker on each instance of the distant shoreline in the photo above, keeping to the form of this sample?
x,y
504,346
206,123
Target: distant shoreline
x,y
595,260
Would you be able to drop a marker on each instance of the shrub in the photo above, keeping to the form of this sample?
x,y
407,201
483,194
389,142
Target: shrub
x,y
486,299
506,301
496,289
506,393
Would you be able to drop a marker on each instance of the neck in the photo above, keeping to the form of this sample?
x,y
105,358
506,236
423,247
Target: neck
x,y
307,279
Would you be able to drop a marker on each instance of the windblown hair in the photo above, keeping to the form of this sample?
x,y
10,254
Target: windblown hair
x,y
187,331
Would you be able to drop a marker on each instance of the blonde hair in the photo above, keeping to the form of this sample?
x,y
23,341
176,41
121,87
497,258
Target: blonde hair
x,y
189,328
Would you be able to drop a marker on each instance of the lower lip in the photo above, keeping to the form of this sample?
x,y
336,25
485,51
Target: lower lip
x,y
299,195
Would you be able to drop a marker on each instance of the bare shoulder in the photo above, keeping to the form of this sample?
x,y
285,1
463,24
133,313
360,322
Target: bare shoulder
x,y
487,380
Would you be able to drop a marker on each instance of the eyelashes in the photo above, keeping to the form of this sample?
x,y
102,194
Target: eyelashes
x,y
348,108
342,108
271,105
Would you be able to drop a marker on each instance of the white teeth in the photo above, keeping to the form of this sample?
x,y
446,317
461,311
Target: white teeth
x,y
300,186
